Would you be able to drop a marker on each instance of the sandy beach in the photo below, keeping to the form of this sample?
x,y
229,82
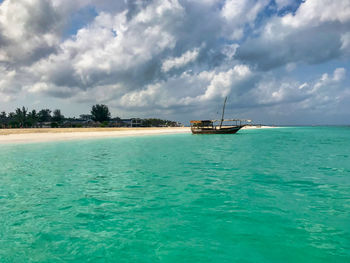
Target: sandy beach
x,y
66,134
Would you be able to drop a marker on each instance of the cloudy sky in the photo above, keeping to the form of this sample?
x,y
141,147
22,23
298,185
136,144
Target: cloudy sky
x,y
278,61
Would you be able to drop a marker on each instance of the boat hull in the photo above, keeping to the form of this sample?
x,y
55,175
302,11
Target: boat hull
x,y
222,130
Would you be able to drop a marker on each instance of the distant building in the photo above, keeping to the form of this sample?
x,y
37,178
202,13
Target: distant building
x,y
73,122
86,117
115,122
133,122
46,124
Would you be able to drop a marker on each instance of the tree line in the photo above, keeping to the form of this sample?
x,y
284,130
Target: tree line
x,y
99,116
22,118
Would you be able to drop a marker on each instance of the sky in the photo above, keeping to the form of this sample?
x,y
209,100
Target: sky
x,y
282,62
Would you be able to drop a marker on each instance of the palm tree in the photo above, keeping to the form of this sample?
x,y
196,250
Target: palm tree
x,y
100,113
3,119
33,118
57,116
21,116
12,121
44,115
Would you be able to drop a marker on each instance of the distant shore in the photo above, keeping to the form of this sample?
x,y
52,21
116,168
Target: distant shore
x,y
248,127
66,134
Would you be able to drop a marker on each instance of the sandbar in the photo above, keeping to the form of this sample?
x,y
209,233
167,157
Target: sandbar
x,y
66,134
34,135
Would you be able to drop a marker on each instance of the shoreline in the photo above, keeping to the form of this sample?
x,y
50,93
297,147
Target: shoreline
x,y
253,127
34,135
9,136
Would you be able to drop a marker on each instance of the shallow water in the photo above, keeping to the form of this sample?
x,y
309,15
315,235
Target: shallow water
x,y
274,195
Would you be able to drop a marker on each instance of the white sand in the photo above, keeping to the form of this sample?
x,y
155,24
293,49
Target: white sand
x,y
66,136
46,135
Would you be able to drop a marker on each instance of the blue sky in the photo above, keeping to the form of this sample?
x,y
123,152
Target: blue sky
x,y
278,61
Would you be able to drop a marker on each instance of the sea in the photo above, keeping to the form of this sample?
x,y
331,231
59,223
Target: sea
x,y
265,195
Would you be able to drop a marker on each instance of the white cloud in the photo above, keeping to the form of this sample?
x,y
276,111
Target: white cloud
x,y
238,13
329,82
110,48
230,50
339,74
9,81
30,29
173,57
286,98
314,12
38,87
179,62
345,43
187,90
314,34
143,98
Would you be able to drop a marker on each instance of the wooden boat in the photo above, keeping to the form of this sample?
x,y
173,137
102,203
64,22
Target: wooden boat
x,y
209,126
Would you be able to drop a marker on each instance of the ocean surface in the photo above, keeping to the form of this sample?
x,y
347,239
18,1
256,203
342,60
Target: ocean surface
x,y
269,195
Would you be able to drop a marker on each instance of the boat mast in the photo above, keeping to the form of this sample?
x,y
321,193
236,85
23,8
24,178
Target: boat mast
x,y
223,112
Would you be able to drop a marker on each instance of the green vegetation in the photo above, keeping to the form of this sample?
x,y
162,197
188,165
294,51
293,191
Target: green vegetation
x,y
57,119
100,117
44,115
158,123
100,113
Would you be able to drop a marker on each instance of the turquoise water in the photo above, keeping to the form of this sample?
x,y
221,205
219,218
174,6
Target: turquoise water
x,y
277,195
